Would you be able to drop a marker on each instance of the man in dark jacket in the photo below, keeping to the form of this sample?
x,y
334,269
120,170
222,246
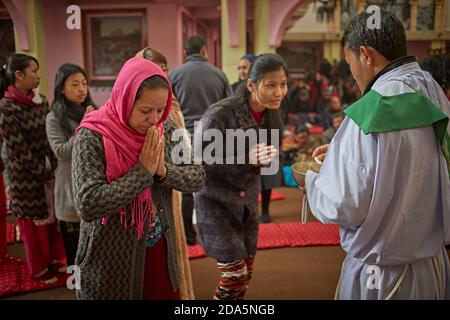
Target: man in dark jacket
x,y
197,84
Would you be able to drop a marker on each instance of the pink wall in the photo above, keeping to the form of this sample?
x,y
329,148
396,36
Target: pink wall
x,y
64,45
162,30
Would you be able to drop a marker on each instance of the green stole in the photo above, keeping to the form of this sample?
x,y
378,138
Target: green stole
x,y
376,113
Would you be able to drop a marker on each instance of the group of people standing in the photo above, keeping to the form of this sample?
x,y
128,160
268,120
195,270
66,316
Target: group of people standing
x,y
111,175
116,182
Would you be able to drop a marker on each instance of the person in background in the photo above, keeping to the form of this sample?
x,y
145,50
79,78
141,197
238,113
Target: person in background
x,y
299,146
328,134
31,165
300,111
158,58
350,92
243,67
123,177
71,102
334,107
227,206
175,115
197,85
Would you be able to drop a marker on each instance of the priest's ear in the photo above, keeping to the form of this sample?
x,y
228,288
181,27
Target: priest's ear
x,y
367,55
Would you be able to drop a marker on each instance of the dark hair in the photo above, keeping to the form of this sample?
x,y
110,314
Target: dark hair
x,y
389,39
15,62
60,104
263,64
151,83
154,55
249,57
194,44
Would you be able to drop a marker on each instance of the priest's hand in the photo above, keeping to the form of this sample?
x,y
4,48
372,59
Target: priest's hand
x,y
320,152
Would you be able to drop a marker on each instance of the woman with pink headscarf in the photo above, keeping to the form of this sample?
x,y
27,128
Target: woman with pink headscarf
x,y
122,182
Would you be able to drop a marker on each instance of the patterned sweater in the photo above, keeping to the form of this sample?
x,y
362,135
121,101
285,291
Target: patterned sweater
x,y
31,161
110,257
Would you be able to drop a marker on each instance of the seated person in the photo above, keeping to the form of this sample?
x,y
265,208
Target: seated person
x,y
298,146
328,134
334,106
300,109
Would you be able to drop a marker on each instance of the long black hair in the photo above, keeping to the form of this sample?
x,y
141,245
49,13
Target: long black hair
x,y
263,64
15,62
62,108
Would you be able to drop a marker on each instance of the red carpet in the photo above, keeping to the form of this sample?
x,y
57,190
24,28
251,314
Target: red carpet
x,y
275,195
291,234
15,278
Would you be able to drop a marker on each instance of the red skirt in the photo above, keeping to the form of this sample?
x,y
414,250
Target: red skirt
x,y
3,245
43,245
157,285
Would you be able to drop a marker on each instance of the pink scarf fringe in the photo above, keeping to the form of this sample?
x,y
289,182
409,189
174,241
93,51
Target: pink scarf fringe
x,y
140,211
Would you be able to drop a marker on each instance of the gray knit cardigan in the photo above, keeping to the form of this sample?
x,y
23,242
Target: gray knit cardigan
x,y
110,257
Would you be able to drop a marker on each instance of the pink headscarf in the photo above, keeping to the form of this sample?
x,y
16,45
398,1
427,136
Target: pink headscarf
x,y
123,144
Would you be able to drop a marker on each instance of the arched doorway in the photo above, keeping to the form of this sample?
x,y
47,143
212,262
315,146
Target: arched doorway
x,y
303,38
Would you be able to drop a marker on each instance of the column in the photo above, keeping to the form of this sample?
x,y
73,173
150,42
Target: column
x,y
439,24
36,36
234,46
261,27
413,15
438,15
332,50
335,23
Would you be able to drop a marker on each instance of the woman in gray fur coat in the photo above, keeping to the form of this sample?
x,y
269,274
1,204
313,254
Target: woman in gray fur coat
x,y
227,207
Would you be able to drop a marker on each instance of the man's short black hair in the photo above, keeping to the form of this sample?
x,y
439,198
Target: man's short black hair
x,y
389,39
194,44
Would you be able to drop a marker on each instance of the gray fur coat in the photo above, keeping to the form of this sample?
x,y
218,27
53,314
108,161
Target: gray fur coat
x,y
227,206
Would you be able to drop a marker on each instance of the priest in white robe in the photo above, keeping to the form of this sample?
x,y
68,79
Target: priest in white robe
x,y
385,176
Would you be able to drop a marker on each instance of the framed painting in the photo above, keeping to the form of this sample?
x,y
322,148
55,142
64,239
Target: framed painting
x,y
111,39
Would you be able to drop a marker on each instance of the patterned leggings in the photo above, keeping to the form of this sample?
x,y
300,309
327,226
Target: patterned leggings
x,y
234,279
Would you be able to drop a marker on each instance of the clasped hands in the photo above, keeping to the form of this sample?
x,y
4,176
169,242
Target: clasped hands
x,y
152,153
